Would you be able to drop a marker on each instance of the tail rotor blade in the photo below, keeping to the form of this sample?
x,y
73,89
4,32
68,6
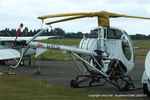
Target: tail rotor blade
x,y
17,34
19,29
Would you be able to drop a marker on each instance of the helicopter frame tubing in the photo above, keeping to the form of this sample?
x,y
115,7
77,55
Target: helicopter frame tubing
x,y
122,82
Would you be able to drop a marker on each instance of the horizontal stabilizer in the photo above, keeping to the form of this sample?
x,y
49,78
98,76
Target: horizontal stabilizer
x,y
9,54
39,51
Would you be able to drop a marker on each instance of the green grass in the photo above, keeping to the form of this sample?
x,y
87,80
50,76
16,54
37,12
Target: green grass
x,y
141,43
21,88
141,52
144,45
54,55
57,55
67,42
75,42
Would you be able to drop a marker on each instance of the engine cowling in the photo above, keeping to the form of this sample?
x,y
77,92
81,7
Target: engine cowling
x,y
88,44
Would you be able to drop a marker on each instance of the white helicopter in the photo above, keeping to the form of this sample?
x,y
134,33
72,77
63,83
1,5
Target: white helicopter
x,y
110,56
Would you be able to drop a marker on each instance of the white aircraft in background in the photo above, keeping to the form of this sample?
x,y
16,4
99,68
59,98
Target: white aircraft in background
x,y
11,47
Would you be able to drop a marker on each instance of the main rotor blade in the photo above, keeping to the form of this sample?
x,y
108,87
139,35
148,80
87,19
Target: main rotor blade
x,y
103,17
66,19
91,14
126,16
63,15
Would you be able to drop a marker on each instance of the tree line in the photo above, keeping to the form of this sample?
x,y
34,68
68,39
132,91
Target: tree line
x,y
27,32
60,32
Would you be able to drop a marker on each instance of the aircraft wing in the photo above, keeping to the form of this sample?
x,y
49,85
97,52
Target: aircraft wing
x,y
28,38
48,37
9,54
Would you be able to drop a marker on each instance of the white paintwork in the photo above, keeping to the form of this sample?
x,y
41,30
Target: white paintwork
x,y
62,48
145,80
9,54
39,51
113,48
88,44
146,73
147,64
25,38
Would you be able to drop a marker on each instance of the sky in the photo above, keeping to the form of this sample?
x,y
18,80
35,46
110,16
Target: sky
x,y
14,12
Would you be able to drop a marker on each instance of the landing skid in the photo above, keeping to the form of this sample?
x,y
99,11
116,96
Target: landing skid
x,y
123,83
92,72
75,83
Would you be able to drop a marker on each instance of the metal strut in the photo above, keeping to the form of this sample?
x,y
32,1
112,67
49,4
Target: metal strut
x,y
94,79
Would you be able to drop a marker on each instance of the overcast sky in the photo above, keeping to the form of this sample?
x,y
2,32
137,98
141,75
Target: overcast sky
x,y
13,12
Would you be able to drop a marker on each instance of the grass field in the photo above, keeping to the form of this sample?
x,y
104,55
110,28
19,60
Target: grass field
x,y
144,45
58,55
141,43
21,88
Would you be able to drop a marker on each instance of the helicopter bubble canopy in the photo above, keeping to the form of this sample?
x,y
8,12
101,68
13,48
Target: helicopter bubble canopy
x,y
114,43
